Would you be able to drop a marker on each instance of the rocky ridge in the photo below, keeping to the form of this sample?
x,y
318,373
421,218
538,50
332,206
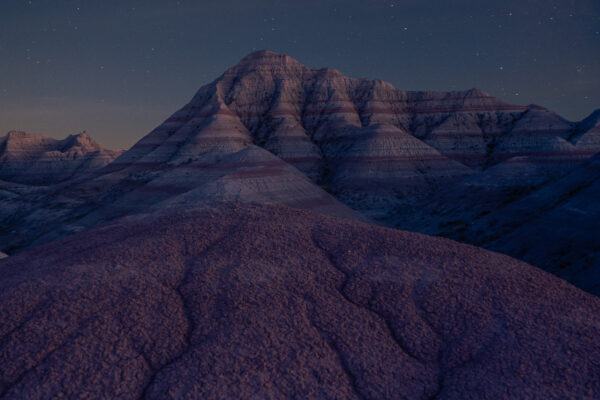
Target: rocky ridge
x,y
41,160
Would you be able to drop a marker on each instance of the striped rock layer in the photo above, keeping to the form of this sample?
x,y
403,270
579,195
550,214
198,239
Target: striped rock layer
x,y
364,140
40,160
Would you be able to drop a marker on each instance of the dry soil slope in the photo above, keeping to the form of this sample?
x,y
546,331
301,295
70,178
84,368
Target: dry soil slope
x,y
552,225
210,167
272,302
588,132
561,233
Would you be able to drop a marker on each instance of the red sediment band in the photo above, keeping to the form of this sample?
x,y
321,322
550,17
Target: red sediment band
x,y
245,114
200,139
408,181
541,131
363,100
224,166
259,172
545,157
382,111
202,114
161,165
541,154
458,156
298,138
542,158
173,189
388,159
356,133
234,165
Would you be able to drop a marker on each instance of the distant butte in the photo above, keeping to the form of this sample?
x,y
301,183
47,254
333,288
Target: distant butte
x,y
41,160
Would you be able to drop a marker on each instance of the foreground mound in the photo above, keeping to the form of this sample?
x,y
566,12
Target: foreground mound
x,y
271,302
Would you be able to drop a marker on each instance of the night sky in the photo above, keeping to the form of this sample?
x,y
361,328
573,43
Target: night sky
x,y
118,68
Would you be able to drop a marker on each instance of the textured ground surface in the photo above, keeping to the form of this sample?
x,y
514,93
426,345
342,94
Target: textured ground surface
x,y
271,302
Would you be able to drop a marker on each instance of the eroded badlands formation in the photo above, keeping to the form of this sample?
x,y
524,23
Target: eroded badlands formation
x,y
270,130
40,160
242,301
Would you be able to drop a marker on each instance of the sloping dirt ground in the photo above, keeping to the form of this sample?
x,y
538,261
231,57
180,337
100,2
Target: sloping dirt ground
x,y
268,302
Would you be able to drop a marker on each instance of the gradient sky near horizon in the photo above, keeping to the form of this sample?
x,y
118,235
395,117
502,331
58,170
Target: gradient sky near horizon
x,y
118,68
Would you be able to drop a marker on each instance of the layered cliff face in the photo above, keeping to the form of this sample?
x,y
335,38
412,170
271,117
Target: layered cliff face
x,y
40,160
264,301
370,144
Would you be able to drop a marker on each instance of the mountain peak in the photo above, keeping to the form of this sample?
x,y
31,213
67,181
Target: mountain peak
x,y
83,140
17,134
26,157
267,57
